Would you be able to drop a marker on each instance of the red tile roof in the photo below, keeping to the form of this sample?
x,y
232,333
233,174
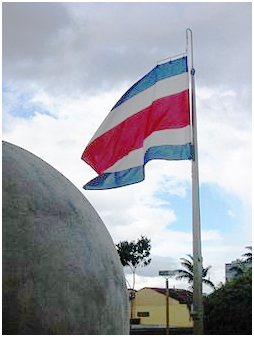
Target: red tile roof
x,y
181,295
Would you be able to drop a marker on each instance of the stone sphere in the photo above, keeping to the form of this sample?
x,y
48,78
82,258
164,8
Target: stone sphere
x,y
61,271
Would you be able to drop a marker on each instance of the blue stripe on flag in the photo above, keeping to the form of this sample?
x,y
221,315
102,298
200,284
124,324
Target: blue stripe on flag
x,y
137,174
160,72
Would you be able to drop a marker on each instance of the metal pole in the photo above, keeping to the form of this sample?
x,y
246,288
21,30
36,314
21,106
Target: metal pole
x,y
167,308
167,274
197,256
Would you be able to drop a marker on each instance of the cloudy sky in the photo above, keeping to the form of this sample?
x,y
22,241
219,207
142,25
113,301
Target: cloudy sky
x,y
65,65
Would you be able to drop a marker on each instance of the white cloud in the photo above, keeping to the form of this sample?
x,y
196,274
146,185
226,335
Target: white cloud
x,y
211,235
231,213
145,281
132,210
225,147
159,281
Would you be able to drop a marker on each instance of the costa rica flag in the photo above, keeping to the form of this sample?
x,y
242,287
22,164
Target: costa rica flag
x,y
150,121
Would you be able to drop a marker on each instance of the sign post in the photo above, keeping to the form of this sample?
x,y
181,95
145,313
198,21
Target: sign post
x,y
167,274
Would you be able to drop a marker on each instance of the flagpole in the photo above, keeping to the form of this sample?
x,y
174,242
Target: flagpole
x,y
197,256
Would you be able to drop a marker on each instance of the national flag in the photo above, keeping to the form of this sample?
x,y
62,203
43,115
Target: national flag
x,y
150,121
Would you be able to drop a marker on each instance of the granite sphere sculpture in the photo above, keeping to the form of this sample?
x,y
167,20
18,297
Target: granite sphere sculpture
x,y
61,271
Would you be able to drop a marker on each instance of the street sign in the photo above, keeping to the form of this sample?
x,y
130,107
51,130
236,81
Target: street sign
x,y
167,272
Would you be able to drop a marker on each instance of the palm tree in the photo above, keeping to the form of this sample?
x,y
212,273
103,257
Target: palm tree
x,y
243,266
248,255
239,267
189,273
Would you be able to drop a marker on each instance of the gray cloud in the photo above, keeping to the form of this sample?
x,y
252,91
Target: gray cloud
x,y
83,47
157,263
29,29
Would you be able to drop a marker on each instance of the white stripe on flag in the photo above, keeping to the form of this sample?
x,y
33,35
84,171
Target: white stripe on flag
x,y
136,158
167,87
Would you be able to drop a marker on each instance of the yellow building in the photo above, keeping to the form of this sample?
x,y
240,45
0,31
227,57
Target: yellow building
x,y
149,305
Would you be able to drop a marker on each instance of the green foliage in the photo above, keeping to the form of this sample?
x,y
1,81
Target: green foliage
x,y
240,267
227,311
243,266
189,274
248,256
134,254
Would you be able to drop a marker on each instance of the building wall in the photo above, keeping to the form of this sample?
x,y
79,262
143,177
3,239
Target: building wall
x,y
150,307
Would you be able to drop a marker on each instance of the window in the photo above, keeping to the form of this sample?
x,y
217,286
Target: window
x,y
143,314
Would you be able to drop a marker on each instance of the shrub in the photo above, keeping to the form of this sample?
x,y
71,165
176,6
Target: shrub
x,y
228,310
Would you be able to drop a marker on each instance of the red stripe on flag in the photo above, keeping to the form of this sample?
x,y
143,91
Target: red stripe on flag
x,y
170,112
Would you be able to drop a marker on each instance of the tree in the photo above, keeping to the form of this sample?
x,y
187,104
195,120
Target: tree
x,y
248,255
134,254
242,266
189,273
228,310
239,267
